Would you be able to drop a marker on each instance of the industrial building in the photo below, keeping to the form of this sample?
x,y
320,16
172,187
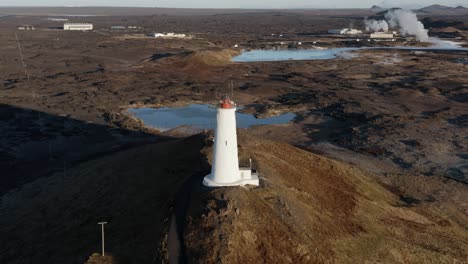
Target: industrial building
x,y
345,31
57,19
78,26
225,170
26,27
118,27
382,35
167,35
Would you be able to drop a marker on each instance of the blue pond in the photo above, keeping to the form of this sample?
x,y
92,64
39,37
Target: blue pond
x,y
199,116
328,54
282,55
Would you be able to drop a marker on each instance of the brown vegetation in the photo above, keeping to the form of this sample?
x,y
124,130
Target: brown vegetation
x,y
310,209
71,156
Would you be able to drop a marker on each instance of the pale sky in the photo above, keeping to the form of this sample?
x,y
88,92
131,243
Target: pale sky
x,y
238,3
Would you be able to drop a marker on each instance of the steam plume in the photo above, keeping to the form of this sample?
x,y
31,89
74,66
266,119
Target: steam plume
x,y
376,25
408,23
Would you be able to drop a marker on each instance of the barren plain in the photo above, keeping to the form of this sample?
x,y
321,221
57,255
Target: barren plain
x,y
387,126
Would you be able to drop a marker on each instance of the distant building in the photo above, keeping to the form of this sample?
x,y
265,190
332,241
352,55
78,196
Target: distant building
x,y
156,35
345,31
336,31
57,19
118,27
78,26
382,35
167,35
26,27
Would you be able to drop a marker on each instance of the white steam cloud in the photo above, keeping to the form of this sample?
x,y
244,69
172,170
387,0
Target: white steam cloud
x,y
405,20
376,25
408,23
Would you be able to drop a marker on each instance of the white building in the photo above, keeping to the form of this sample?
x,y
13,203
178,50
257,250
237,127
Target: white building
x,y
225,169
57,19
345,31
26,27
381,35
167,35
336,31
78,26
118,27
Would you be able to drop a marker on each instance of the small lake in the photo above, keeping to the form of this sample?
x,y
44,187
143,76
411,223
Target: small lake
x,y
199,116
283,55
333,53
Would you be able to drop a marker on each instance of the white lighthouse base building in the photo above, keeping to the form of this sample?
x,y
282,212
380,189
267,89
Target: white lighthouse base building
x,y
225,169
246,177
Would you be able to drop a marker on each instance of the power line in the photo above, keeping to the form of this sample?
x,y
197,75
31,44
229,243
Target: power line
x,y
22,56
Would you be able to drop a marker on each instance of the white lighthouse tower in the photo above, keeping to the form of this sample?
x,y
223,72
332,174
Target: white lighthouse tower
x,y
225,169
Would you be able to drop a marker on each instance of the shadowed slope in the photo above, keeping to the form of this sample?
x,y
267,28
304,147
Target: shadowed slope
x,y
54,219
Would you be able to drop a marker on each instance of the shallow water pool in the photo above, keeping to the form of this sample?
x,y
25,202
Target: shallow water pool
x,y
199,116
333,53
282,55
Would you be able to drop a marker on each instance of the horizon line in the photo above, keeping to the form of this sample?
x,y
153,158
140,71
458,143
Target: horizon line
x,y
234,8
239,8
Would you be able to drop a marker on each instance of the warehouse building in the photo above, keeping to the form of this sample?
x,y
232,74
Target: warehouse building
x,y
78,26
167,35
382,35
345,31
26,27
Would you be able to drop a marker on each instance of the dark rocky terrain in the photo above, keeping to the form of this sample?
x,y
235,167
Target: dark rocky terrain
x,y
400,116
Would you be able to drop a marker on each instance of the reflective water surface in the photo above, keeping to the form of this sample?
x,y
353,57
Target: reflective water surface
x,y
199,116
328,54
282,55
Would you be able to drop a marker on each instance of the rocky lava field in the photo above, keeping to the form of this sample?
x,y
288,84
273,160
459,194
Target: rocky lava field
x,y
388,127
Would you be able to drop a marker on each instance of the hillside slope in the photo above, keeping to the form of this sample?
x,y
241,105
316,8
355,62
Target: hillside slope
x,y
442,10
311,209
308,209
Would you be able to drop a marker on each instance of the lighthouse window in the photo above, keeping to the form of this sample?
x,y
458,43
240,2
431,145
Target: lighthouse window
x,y
226,142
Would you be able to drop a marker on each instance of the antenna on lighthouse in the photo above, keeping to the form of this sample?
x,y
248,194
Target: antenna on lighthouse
x,y
226,91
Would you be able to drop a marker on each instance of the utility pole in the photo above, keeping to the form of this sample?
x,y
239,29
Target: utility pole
x,y
102,232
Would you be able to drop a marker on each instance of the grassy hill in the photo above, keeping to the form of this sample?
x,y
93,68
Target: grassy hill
x,y
311,209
